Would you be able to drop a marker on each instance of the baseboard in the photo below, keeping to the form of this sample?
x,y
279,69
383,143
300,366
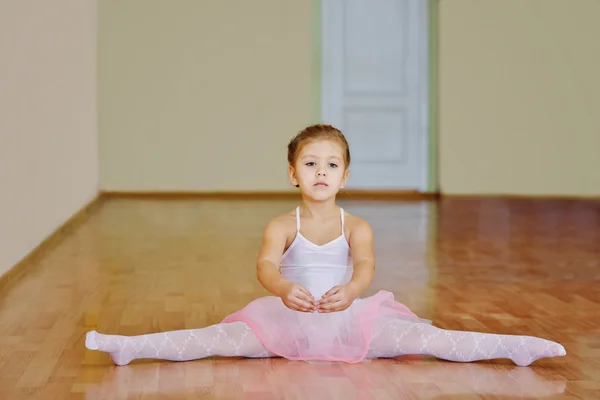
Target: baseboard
x,y
387,195
347,194
273,195
15,273
530,197
178,195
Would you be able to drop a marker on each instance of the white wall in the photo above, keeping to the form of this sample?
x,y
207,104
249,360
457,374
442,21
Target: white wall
x,y
519,97
203,95
48,135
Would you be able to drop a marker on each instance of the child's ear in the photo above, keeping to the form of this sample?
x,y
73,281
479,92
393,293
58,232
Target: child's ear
x,y
345,179
292,176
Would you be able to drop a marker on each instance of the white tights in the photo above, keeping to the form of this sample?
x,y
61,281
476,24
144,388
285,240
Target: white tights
x,y
393,338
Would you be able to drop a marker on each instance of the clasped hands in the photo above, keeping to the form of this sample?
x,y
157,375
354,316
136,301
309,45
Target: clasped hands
x,y
338,298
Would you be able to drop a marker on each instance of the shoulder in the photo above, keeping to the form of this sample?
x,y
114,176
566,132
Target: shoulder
x,y
277,237
282,224
357,227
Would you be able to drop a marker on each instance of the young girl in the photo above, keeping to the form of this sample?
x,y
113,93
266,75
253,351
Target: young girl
x,y
317,260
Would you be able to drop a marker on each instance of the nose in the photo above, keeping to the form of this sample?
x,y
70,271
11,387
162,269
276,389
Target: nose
x,y
321,172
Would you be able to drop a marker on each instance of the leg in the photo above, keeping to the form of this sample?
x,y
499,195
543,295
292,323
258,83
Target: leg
x,y
230,340
398,337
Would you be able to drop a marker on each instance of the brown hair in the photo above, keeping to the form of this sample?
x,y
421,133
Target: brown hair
x,y
317,132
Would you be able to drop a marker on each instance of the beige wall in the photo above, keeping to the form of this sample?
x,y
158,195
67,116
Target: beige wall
x,y
202,95
519,97
192,92
48,138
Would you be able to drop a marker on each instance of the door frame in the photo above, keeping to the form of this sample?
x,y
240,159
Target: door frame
x,y
329,81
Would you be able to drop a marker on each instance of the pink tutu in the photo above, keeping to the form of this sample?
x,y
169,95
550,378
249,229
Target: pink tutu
x,y
338,336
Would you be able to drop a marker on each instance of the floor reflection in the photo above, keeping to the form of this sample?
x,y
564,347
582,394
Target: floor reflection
x,y
282,379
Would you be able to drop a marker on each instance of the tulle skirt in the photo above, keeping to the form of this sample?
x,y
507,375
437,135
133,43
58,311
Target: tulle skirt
x,y
338,336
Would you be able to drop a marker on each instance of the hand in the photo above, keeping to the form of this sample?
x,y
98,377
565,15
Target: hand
x,y
297,298
337,298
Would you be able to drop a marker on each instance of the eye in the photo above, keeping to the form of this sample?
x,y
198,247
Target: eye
x,y
332,165
310,163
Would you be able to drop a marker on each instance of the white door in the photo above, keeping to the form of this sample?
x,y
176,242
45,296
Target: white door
x,y
375,86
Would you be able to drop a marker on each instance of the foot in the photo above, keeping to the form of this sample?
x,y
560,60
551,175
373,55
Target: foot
x,y
118,347
90,340
531,349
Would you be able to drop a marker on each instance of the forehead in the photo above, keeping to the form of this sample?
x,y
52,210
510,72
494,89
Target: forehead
x,y
324,147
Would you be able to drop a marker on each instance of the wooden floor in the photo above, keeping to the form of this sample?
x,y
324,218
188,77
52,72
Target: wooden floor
x,y
138,266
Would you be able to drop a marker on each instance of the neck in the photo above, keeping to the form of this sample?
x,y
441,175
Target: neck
x,y
318,209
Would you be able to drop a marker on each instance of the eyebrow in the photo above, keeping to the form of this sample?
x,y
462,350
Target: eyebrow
x,y
313,156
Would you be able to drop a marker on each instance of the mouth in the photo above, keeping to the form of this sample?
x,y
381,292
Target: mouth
x,y
321,184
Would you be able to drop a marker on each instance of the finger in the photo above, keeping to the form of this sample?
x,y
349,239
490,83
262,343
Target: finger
x,y
306,292
336,308
330,306
302,298
331,299
296,307
305,297
303,304
332,291
294,304
305,310
330,311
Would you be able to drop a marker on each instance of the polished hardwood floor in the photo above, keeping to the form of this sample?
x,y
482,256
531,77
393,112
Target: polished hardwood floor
x,y
517,266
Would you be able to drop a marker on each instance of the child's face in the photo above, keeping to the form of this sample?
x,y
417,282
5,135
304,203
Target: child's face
x,y
320,169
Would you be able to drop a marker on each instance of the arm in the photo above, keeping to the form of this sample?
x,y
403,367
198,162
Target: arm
x,y
341,297
267,270
363,255
293,296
